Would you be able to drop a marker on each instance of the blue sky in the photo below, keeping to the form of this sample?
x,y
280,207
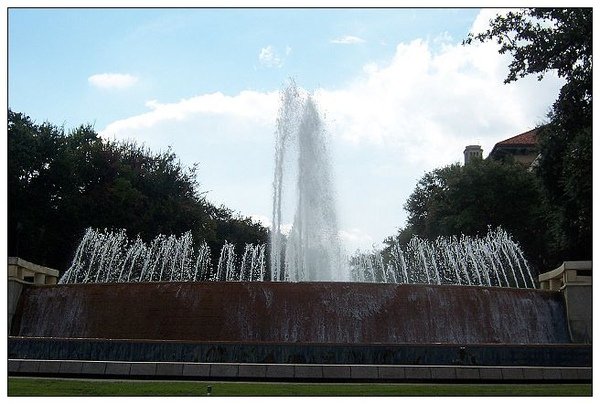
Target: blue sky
x,y
399,94
179,53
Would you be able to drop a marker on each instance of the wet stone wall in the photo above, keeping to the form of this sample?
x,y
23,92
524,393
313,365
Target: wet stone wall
x,y
305,312
299,353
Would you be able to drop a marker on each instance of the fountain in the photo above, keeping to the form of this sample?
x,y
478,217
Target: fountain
x,y
110,257
312,251
451,301
492,260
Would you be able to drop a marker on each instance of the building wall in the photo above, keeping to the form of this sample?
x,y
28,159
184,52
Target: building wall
x,y
525,159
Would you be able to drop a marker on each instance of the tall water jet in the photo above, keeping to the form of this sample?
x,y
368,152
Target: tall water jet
x,y
312,251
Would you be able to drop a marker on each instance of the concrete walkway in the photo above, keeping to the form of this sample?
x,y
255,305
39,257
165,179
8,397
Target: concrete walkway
x,y
297,372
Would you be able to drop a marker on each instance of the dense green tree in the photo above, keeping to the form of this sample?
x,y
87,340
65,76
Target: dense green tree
x,y
468,199
60,183
542,40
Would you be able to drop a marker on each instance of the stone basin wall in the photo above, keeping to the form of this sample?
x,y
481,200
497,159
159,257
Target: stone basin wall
x,y
324,312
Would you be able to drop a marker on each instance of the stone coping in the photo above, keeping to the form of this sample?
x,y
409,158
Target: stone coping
x,y
566,266
289,343
19,280
297,372
35,268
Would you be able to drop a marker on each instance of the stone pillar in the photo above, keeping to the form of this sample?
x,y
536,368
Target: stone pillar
x,y
14,293
18,269
39,278
574,280
555,284
15,271
578,299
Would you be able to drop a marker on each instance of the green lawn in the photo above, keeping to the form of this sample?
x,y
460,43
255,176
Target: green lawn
x,y
20,386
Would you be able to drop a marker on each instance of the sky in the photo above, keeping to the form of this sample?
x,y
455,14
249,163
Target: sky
x,y
398,92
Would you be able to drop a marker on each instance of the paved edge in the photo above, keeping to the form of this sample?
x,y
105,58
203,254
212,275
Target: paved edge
x,y
297,372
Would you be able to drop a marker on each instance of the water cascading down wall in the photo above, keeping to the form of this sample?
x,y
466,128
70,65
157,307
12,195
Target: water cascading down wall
x,y
309,312
326,322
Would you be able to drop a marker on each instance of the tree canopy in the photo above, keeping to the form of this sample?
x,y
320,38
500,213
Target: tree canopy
x,y
548,39
469,199
60,183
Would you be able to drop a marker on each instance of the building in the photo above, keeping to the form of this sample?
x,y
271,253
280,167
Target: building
x,y
472,152
522,148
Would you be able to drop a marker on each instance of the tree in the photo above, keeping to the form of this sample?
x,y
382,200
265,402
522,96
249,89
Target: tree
x,y
545,39
542,40
61,183
468,199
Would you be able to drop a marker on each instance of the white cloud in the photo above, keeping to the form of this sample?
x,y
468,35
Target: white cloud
x,y
399,119
269,57
347,40
262,219
285,229
428,104
112,80
355,238
256,108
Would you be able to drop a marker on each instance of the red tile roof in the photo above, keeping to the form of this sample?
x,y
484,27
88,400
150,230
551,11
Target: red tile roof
x,y
528,138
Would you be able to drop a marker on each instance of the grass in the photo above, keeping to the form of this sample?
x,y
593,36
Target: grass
x,y
22,386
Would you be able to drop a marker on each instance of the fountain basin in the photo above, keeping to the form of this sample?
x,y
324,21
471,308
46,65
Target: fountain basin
x,y
304,312
110,350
